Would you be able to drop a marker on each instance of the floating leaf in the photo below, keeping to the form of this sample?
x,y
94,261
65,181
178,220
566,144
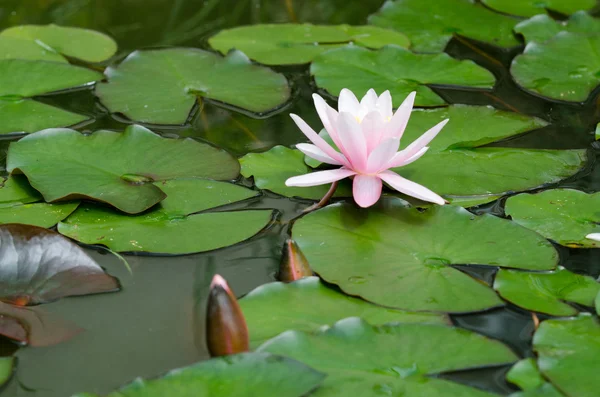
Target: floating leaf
x,y
162,86
468,170
430,29
563,215
34,326
84,44
542,28
28,116
564,68
547,292
529,8
18,48
6,369
288,44
176,225
400,256
19,203
526,375
39,265
241,375
276,307
361,359
272,168
398,70
115,168
568,352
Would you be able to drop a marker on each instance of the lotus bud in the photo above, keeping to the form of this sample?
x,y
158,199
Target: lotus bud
x,y
294,264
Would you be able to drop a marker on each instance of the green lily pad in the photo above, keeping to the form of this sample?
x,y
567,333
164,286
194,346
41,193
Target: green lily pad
x,y
28,116
429,30
526,375
241,375
547,292
397,359
6,369
565,68
289,44
398,70
276,307
272,168
176,225
400,256
529,8
568,351
162,86
87,45
18,48
563,215
112,167
542,28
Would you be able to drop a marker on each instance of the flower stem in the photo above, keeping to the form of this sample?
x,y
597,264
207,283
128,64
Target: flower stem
x,y
325,198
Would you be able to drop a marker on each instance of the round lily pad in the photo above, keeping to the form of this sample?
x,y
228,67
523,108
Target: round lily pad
x,y
111,167
289,44
87,45
568,351
177,225
547,292
565,68
529,8
6,369
400,256
25,115
430,29
542,28
526,375
18,48
398,359
162,86
241,375
398,70
276,307
563,215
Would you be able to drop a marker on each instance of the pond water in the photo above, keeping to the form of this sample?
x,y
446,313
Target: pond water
x,y
156,322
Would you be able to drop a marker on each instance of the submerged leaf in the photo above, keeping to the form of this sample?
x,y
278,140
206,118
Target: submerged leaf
x,y
115,168
162,86
6,369
288,44
38,265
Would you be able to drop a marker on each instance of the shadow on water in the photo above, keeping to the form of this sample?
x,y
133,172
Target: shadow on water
x,y
156,322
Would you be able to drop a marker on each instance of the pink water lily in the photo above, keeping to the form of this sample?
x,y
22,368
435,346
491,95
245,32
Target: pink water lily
x,y
368,135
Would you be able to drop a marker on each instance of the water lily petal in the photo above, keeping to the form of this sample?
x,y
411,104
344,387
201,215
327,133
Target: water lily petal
x,y
367,104
316,153
410,188
347,102
317,140
366,190
319,178
593,236
382,154
328,116
415,147
353,141
372,127
384,105
398,122
412,159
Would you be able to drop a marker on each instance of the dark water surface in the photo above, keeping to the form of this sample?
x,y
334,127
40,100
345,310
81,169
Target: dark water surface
x,y
156,322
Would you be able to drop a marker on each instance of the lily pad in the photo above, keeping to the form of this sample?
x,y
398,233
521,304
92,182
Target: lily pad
x,y
28,116
111,167
162,86
568,352
563,215
18,48
176,226
6,369
276,307
565,68
526,375
270,170
39,265
289,44
398,70
429,30
400,256
542,28
87,45
395,359
241,375
529,8
547,292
